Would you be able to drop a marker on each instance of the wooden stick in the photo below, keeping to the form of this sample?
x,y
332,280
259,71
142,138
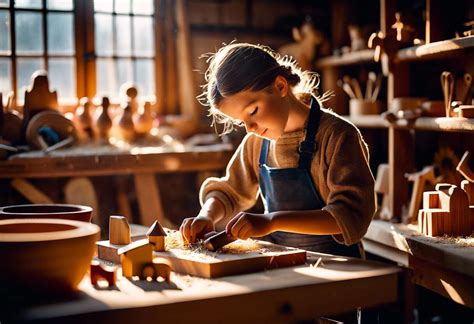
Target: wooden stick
x,y
356,87
378,85
370,85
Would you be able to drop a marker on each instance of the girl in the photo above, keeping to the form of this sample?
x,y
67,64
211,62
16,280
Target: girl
x,y
309,165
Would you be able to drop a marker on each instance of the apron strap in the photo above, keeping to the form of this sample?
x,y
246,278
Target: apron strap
x,y
264,152
308,146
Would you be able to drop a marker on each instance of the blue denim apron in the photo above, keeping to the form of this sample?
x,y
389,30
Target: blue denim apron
x,y
293,189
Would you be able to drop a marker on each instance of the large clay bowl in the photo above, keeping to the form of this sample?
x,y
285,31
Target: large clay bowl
x,y
59,211
45,255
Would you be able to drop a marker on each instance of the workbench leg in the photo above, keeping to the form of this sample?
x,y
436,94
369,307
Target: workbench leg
x,y
407,296
149,200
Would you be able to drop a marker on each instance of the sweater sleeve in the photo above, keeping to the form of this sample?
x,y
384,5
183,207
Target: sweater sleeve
x,y
238,189
351,200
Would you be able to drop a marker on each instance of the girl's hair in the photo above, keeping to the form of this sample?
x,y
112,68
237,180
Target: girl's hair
x,y
241,66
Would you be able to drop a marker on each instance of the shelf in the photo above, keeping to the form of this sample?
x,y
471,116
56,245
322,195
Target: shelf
x,y
352,58
368,121
436,50
423,123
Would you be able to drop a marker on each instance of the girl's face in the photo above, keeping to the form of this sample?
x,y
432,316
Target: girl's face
x,y
264,112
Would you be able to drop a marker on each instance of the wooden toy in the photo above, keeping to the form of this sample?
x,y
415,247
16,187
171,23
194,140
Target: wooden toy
x,y
132,93
119,230
382,187
84,118
159,267
50,256
156,236
357,40
125,124
38,97
142,120
134,257
100,271
102,120
307,41
420,181
445,211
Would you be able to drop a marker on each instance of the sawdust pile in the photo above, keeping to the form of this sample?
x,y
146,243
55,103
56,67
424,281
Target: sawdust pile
x,y
174,241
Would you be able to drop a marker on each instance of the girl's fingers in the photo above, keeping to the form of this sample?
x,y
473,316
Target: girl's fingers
x,y
186,228
244,232
230,224
234,231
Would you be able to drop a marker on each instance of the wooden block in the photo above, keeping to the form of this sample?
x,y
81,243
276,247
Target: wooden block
x,y
435,220
109,252
134,257
431,200
459,210
119,230
421,215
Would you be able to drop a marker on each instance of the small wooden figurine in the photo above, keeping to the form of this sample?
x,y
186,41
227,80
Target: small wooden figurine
x,y
84,118
134,257
142,120
132,93
156,236
103,122
100,271
125,124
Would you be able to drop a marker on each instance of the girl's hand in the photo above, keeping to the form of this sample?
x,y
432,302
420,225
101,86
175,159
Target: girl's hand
x,y
245,225
196,227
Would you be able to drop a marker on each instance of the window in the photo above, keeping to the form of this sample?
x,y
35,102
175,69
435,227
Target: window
x,y
37,34
124,45
88,47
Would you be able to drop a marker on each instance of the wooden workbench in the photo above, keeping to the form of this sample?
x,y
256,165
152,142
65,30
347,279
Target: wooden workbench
x,y
141,162
292,294
438,264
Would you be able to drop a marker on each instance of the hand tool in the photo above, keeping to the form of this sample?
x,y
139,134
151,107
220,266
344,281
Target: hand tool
x,y
378,85
218,240
370,85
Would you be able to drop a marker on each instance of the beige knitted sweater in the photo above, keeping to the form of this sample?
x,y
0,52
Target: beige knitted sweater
x,y
339,168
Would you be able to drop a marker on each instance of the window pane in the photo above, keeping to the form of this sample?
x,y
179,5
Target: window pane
x,y
5,32
122,6
5,76
145,77
62,77
143,36
143,7
124,70
103,34
4,3
25,68
123,35
36,4
60,33
29,33
103,5
60,4
106,78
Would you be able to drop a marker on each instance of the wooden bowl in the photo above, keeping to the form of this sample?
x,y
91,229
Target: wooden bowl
x,y
58,211
48,256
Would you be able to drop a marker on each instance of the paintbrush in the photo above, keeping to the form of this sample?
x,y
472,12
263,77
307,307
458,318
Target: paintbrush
x,y
218,240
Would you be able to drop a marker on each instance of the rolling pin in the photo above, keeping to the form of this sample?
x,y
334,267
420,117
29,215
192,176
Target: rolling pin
x,y
218,240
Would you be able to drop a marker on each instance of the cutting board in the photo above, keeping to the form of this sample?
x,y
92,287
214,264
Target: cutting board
x,y
217,264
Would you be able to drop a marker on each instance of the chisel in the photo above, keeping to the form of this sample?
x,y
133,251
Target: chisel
x,y
218,240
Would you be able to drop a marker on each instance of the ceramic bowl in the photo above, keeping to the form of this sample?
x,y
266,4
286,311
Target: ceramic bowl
x,y
45,255
59,211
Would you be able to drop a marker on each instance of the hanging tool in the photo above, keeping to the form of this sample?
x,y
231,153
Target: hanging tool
x,y
372,77
378,85
447,83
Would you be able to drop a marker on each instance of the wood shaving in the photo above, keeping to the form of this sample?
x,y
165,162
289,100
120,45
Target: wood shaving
x,y
174,241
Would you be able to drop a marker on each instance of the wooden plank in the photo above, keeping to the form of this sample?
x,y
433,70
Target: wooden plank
x,y
56,165
358,57
280,295
451,284
30,192
149,200
216,264
436,49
